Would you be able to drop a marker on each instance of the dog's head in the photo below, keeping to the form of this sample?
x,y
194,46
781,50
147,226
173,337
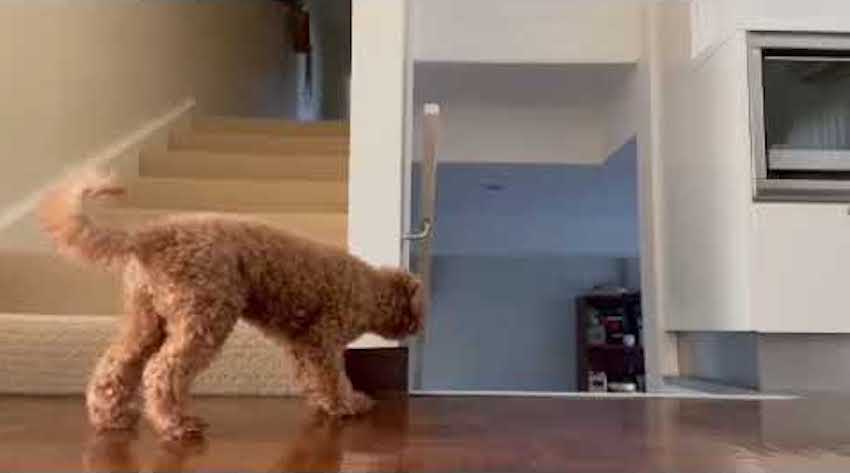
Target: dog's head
x,y
407,315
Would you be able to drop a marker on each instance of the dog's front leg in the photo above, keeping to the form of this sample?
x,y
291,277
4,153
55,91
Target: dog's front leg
x,y
325,384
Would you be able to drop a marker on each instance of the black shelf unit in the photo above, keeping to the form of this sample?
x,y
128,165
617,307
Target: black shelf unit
x,y
618,361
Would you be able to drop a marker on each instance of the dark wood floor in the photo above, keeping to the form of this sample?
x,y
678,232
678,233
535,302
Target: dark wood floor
x,y
450,434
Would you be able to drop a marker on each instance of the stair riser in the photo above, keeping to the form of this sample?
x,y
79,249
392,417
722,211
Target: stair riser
x,y
325,228
271,127
256,144
238,196
201,165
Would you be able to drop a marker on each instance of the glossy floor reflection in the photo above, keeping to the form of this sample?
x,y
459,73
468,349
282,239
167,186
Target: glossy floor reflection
x,y
449,434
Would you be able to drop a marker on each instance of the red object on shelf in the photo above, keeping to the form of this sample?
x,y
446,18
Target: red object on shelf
x,y
614,328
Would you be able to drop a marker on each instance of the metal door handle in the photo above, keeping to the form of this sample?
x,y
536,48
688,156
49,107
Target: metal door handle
x,y
422,234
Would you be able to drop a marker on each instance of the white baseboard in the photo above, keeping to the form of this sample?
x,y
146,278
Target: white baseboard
x,y
589,395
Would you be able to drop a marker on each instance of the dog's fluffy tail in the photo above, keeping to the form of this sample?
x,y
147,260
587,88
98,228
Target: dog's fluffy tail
x,y
62,216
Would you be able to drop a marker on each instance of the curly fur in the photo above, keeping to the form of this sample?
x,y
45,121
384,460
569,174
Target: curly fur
x,y
188,279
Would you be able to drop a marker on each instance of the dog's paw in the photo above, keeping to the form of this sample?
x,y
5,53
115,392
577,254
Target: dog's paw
x,y
187,428
357,403
196,422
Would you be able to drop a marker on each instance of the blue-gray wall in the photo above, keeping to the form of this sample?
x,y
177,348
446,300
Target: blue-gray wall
x,y
541,208
509,264
508,323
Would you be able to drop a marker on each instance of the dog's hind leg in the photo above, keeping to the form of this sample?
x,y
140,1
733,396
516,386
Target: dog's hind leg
x,y
196,333
111,394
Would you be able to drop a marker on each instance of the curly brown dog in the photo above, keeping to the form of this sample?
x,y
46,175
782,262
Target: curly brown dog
x,y
188,279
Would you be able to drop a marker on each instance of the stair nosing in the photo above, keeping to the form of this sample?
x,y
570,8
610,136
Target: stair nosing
x,y
166,212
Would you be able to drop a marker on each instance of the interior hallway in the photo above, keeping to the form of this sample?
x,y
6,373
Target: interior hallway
x,y
449,434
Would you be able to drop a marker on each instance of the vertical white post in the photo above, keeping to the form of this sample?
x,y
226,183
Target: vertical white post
x,y
379,52
378,101
659,345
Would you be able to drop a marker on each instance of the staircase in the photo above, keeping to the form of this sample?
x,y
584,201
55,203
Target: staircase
x,y
58,317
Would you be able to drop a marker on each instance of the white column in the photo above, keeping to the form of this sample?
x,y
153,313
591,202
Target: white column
x,y
377,130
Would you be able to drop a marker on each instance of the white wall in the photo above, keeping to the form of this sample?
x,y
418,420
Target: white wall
x,y
378,92
716,21
816,15
800,252
493,113
713,22
706,181
76,75
731,264
530,31
801,256
534,81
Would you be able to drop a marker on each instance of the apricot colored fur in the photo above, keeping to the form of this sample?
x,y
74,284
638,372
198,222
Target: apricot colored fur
x,y
188,279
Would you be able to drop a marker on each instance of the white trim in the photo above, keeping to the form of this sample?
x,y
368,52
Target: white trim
x,y
588,395
15,212
809,160
370,340
660,345
685,384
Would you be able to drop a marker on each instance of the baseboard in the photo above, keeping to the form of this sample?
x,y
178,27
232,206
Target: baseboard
x,y
816,363
17,227
768,362
669,394
683,384
727,358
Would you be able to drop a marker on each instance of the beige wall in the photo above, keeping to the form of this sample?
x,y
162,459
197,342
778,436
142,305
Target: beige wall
x,y
76,75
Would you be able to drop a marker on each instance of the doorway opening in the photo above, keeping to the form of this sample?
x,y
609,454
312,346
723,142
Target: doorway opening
x,y
535,268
